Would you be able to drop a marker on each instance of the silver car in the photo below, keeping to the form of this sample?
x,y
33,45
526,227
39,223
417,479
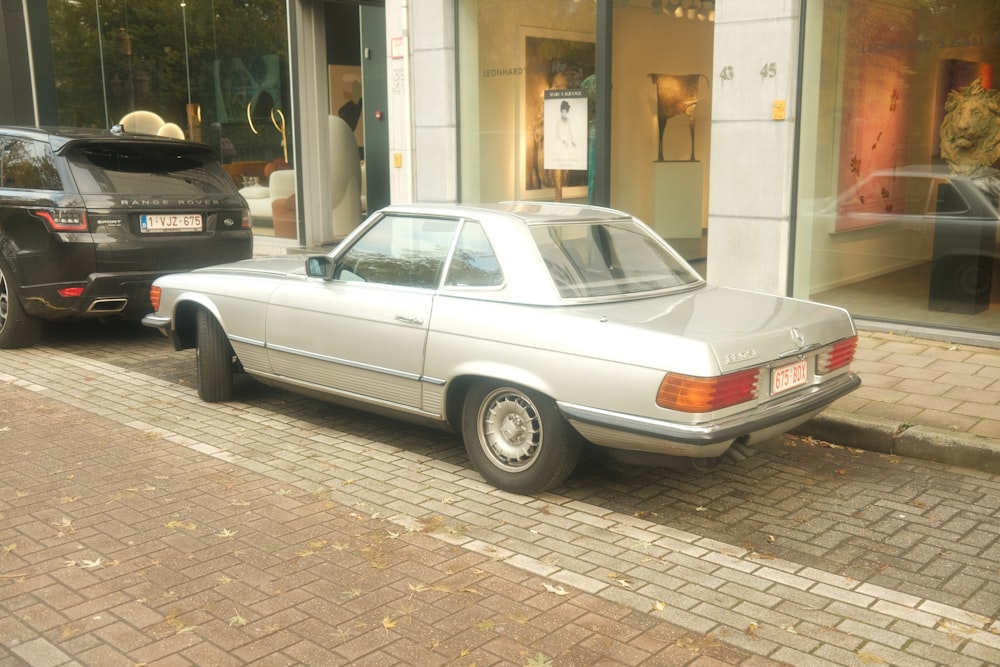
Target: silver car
x,y
527,327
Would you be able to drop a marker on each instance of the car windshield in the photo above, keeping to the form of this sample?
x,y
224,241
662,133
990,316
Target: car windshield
x,y
142,169
608,259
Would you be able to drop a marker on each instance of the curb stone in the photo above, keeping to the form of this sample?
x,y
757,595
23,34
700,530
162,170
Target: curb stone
x,y
889,437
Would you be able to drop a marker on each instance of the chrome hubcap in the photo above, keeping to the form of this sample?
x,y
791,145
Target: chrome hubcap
x,y
510,430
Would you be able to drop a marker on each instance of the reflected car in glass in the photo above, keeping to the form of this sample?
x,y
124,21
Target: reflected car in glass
x,y
529,328
935,217
89,218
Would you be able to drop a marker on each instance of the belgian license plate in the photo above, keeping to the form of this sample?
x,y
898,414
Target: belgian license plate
x,y
170,222
789,377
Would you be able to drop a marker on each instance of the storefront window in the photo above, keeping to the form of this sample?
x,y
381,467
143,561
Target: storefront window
x,y
527,99
526,80
214,71
661,118
897,210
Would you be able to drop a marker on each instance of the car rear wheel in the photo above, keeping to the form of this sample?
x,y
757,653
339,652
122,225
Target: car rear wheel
x,y
215,358
17,328
517,439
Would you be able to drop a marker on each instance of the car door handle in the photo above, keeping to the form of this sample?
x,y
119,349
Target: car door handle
x,y
409,320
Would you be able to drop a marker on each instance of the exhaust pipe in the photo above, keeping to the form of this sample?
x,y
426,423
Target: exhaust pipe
x,y
107,306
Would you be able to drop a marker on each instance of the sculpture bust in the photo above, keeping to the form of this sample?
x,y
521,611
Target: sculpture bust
x,y
970,131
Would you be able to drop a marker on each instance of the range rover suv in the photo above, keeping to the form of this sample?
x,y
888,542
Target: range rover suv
x,y
89,218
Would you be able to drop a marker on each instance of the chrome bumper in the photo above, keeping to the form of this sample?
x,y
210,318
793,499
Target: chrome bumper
x,y
709,439
157,322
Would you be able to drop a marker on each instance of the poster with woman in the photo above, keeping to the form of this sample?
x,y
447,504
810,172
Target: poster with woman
x,y
565,129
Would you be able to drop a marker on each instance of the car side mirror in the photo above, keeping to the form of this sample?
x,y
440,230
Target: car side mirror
x,y
319,267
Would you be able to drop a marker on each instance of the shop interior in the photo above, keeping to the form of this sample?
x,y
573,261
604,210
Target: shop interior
x,y
513,51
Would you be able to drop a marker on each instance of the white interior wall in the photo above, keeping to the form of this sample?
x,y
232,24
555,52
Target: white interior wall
x,y
647,42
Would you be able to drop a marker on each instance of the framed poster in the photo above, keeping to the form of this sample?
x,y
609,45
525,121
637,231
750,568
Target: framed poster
x,y
552,136
565,130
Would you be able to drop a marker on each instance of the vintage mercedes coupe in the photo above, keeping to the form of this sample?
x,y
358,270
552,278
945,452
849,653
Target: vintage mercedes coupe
x,y
526,327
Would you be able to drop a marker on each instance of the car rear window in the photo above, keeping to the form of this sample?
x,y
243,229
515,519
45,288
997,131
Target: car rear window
x,y
143,169
608,259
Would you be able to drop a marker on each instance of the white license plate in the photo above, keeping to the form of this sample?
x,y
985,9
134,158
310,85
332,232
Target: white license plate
x,y
171,222
789,377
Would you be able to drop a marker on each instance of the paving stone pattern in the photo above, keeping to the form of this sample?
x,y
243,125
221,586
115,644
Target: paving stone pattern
x,y
140,525
938,384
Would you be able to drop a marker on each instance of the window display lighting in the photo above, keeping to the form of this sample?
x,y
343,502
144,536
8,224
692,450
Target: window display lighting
x,y
699,10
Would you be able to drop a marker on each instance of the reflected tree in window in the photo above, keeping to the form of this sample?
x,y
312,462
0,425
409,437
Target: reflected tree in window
x,y
114,56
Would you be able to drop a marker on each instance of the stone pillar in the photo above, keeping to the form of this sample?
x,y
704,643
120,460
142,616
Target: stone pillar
x,y
427,74
756,56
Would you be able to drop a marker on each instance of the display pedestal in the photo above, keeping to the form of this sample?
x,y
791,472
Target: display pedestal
x,y
677,188
962,273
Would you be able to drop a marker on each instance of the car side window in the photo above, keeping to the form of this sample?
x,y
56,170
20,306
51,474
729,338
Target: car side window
x,y
27,165
474,263
949,201
400,250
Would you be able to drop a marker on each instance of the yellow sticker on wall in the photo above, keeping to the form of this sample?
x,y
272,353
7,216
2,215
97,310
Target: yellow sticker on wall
x,y
778,110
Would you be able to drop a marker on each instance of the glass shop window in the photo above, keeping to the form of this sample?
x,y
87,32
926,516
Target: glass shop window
x,y
898,177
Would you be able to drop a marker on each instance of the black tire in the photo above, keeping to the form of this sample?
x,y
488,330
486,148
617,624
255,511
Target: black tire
x,y
516,438
216,360
17,328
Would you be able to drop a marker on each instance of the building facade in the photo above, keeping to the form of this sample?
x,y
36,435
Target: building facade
x,y
837,150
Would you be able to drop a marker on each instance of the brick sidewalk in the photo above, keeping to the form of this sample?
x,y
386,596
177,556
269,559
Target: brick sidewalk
x,y
949,386
118,547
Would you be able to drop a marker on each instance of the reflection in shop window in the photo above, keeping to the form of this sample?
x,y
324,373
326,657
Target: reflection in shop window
x,y
154,56
897,212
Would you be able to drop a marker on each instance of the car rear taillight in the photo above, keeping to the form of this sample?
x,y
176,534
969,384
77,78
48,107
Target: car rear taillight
x,y
71,292
838,355
245,221
699,394
154,297
63,219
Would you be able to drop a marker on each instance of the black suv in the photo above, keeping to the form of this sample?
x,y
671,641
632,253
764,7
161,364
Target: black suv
x,y
89,218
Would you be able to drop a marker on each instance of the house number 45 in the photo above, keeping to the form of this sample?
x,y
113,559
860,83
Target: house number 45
x,y
768,71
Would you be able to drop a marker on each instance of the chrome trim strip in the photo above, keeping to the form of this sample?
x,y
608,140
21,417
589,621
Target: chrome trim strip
x,y
247,341
344,362
800,350
362,401
819,396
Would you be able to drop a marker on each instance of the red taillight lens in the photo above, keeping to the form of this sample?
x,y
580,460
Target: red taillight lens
x,y
70,291
696,394
245,221
63,219
840,354
154,297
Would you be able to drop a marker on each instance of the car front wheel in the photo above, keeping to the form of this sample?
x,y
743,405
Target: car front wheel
x,y
17,328
215,359
517,439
